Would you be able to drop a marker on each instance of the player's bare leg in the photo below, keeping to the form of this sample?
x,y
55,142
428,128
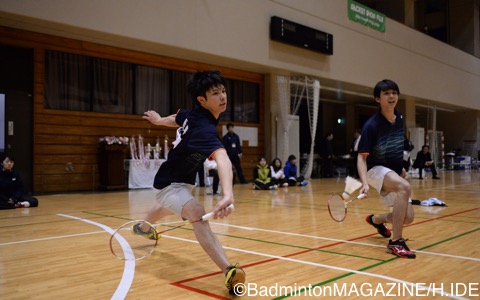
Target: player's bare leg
x,y
401,214
234,275
206,238
155,214
394,183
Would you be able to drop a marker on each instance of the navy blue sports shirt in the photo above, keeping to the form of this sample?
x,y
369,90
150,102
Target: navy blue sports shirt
x,y
197,139
383,141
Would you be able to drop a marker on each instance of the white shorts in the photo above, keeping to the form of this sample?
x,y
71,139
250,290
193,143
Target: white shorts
x,y
375,177
175,196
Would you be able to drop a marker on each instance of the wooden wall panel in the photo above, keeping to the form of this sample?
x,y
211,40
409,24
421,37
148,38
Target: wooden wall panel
x,y
70,137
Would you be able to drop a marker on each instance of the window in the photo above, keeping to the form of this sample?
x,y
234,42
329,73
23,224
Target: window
x,y
81,83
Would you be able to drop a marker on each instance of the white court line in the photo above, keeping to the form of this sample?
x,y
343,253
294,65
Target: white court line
x,y
127,278
437,291
343,241
129,268
50,238
265,230
451,187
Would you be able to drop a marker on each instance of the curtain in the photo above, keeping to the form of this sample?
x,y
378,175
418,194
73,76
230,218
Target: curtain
x,y
152,90
282,93
67,81
112,86
180,96
227,116
83,83
245,96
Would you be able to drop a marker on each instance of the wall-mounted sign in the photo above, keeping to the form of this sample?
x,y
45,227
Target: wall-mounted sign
x,y
366,16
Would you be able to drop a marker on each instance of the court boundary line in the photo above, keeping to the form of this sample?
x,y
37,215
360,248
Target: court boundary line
x,y
180,283
286,258
129,265
343,241
109,230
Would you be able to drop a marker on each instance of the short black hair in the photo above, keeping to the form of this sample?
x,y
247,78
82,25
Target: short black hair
x,y
11,158
291,157
202,81
230,125
385,85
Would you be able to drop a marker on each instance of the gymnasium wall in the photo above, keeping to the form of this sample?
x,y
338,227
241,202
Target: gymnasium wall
x,y
65,139
235,34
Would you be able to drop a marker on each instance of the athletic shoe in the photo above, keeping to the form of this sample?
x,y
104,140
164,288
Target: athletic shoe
x,y
381,228
273,187
234,276
303,183
400,249
151,234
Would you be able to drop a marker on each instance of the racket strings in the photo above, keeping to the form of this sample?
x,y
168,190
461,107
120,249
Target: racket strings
x,y
336,207
128,244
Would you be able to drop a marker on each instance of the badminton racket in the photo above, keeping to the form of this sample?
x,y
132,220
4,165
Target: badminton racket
x,y
137,239
337,206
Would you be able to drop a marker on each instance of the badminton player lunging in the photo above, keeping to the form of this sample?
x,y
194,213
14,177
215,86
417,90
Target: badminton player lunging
x,y
380,164
197,139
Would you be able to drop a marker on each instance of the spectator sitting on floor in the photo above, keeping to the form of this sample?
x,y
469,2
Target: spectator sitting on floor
x,y
290,171
262,177
11,187
278,177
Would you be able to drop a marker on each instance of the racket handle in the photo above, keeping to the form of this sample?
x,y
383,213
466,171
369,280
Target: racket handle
x,y
210,214
361,196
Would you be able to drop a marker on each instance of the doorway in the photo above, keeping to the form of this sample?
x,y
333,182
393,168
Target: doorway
x,y
16,89
18,133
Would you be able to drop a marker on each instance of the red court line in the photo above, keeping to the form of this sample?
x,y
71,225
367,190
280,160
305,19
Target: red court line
x,y
442,217
180,283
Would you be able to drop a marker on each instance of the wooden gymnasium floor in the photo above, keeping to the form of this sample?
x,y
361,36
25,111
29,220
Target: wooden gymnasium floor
x,y
284,240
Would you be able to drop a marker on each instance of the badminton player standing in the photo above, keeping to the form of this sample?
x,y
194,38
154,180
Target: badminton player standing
x,y
197,139
380,164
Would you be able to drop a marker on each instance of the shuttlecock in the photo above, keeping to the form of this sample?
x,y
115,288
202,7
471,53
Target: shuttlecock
x,y
351,185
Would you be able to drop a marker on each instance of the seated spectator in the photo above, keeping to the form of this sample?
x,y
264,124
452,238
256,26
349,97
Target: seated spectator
x,y
262,177
290,171
424,160
11,188
278,177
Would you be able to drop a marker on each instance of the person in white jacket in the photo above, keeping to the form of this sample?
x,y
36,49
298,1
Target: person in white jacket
x,y
211,167
278,177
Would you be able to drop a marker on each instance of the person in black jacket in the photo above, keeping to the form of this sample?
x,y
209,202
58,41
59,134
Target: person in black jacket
x,y
326,153
424,160
11,187
233,145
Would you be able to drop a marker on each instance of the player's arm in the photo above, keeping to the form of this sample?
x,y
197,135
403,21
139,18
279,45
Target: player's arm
x,y
154,118
224,167
362,172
